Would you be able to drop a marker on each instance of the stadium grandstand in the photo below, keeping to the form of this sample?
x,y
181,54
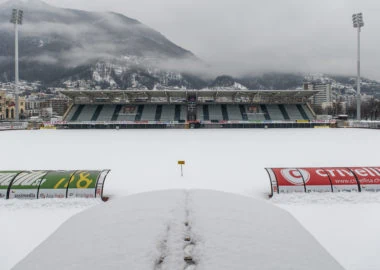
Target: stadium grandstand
x,y
189,108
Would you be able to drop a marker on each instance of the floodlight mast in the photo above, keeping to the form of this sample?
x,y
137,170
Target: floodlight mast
x,y
358,22
17,18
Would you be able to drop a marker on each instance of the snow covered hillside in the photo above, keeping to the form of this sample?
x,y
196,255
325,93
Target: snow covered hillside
x,y
222,160
181,230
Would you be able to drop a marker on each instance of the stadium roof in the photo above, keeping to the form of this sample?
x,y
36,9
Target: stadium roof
x,y
178,96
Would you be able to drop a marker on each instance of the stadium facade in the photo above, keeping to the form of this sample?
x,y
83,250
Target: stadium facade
x,y
190,109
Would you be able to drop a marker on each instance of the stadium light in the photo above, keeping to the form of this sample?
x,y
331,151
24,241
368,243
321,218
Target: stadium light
x,y
358,23
17,19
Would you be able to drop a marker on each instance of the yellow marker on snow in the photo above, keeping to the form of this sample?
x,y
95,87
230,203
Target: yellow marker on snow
x,y
181,162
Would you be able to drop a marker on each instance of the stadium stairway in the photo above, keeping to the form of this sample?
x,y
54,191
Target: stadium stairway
x,y
264,109
106,113
206,114
140,110
157,117
243,113
116,113
284,112
77,113
309,112
302,111
224,112
97,113
177,113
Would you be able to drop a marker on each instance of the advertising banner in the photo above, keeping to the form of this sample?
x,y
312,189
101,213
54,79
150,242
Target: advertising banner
x,y
5,181
273,182
100,184
83,184
54,185
342,179
25,185
289,180
368,177
353,179
316,180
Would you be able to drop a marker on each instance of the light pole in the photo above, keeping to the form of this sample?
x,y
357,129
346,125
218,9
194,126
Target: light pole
x,y
357,19
17,17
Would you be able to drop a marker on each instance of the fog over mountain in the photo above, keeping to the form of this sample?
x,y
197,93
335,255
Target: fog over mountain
x,y
56,43
116,51
252,36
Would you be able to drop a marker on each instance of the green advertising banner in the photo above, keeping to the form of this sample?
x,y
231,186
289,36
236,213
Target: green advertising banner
x,y
5,181
25,185
83,184
52,184
55,184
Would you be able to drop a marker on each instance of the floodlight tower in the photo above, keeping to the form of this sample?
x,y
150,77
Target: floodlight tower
x,y
357,19
17,17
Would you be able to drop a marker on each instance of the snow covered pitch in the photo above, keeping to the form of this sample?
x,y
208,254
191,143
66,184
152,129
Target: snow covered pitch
x,y
224,160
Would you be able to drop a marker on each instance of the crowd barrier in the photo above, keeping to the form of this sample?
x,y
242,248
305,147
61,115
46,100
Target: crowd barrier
x,y
52,184
349,179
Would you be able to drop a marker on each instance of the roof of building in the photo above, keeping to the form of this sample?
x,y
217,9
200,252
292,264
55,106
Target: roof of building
x,y
174,96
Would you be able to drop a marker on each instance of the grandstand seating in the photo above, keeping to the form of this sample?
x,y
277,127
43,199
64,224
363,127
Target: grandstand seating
x,y
98,110
183,113
293,112
308,112
87,113
275,112
72,111
169,113
215,112
149,113
234,113
127,113
253,116
106,113
202,113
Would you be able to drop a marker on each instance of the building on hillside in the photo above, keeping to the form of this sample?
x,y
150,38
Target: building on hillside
x,y
324,97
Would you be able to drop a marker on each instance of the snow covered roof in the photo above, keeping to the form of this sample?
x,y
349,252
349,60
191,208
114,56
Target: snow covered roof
x,y
177,229
181,96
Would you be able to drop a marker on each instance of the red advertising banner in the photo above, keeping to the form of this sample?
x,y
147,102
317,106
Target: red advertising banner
x,y
273,182
355,179
289,180
316,180
368,177
342,179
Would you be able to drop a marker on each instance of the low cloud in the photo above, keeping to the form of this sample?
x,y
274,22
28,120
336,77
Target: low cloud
x,y
236,37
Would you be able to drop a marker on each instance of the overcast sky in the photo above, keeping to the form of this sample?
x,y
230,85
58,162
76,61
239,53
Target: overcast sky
x,y
237,36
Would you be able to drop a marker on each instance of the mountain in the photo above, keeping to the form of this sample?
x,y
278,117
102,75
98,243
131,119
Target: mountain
x,y
58,44
90,50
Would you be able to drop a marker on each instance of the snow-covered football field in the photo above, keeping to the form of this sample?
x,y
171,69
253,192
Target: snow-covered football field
x,y
223,160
